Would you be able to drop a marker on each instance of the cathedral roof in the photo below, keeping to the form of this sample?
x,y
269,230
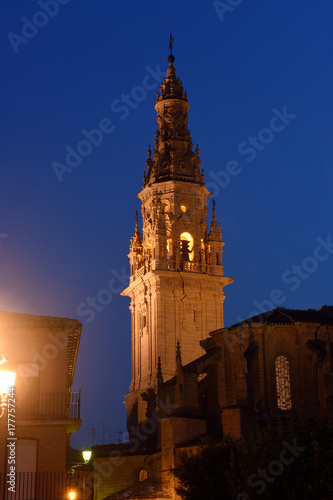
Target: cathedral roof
x,y
127,448
283,316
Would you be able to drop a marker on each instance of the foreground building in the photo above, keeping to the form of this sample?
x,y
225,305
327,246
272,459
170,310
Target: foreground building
x,y
43,412
190,375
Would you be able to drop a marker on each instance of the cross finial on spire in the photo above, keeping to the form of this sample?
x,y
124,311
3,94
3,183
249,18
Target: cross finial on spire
x,y
171,40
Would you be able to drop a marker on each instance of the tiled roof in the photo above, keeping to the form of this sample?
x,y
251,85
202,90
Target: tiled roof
x,y
14,318
149,488
128,448
283,316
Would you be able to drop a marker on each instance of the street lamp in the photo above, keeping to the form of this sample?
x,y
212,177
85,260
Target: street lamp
x,y
86,454
86,457
7,382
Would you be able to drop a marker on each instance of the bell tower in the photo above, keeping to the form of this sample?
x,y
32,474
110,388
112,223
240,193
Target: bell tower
x,y
176,273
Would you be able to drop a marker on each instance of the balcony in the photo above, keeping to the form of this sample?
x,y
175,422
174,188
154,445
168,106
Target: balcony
x,y
49,406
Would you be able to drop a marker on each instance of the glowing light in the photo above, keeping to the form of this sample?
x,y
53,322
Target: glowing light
x,y
187,252
183,208
282,375
72,495
143,475
86,454
7,380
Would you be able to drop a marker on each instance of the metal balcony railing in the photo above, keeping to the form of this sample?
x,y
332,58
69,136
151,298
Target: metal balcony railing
x,y
35,486
49,405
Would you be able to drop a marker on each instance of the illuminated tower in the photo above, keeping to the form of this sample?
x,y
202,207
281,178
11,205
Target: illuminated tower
x,y
177,279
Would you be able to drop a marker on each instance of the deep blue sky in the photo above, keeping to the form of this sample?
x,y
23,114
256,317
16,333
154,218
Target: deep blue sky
x,y
61,242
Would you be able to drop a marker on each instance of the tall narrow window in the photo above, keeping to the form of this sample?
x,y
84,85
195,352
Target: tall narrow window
x,y
282,375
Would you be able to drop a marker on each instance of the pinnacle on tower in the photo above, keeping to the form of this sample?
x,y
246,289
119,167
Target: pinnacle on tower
x,y
178,352
159,375
215,228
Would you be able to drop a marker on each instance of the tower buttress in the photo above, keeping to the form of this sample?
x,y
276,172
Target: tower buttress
x,y
176,279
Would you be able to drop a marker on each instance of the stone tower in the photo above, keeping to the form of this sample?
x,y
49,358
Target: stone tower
x,y
177,279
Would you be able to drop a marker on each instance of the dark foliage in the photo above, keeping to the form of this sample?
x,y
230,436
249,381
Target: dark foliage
x,y
286,459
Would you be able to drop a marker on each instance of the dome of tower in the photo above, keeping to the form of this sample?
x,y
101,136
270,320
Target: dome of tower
x,y
171,87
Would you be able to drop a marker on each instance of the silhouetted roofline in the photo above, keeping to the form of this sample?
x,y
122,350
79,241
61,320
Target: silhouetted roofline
x,y
283,316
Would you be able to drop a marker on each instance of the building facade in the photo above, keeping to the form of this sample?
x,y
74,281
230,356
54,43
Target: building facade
x,y
43,412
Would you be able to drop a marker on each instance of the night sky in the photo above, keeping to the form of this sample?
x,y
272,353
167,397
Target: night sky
x,y
259,81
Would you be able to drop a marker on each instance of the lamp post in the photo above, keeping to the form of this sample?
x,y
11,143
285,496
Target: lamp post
x,y
7,382
86,457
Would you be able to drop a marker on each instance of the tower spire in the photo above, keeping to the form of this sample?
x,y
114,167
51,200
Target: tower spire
x,y
173,157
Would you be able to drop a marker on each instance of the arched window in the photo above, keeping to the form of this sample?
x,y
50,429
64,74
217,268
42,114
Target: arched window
x,y
186,247
282,375
143,475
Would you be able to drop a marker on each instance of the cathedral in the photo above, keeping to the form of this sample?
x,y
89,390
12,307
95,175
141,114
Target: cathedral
x,y
191,376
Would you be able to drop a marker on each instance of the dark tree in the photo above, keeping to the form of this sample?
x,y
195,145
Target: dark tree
x,y
286,459
204,475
